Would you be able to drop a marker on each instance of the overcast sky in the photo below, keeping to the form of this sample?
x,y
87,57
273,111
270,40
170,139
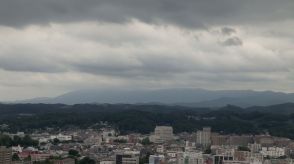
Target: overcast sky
x,y
49,47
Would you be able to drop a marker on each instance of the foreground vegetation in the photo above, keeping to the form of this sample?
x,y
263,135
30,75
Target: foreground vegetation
x,y
278,120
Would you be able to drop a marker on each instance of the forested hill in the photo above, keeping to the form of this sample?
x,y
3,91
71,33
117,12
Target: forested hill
x,y
278,120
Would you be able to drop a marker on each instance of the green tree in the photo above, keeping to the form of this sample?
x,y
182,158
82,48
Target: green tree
x,y
17,140
47,161
120,141
207,151
5,140
29,158
146,141
144,159
28,141
87,160
73,153
243,148
15,157
56,141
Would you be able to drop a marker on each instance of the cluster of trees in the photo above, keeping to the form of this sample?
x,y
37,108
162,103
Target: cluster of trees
x,y
243,148
277,120
87,160
146,141
25,141
75,154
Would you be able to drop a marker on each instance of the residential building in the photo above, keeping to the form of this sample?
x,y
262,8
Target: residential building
x,y
190,158
217,139
273,152
222,159
162,134
5,155
243,140
93,140
156,159
61,137
204,136
127,157
255,147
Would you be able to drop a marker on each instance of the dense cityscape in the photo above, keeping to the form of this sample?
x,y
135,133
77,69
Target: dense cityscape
x,y
108,146
146,82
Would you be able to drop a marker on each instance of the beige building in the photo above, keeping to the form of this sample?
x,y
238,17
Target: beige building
x,y
217,139
162,134
5,155
243,140
204,136
237,140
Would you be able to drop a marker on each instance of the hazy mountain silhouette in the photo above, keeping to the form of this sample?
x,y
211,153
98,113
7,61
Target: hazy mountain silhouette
x,y
185,97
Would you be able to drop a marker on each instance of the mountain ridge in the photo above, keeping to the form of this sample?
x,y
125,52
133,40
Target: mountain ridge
x,y
179,96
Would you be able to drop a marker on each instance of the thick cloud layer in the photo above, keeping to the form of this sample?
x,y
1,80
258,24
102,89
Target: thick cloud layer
x,y
51,47
187,13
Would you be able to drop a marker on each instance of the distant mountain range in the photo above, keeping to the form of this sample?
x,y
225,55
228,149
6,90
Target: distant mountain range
x,y
184,97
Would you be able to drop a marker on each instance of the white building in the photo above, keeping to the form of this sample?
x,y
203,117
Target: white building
x,y
273,151
107,133
61,137
17,149
255,147
171,154
190,158
160,149
93,140
255,160
190,146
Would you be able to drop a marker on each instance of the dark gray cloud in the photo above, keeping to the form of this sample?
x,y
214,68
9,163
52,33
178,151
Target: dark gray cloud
x,y
188,13
228,31
233,41
59,45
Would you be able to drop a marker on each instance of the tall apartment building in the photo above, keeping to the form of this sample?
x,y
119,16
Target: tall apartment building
x,y
204,136
5,155
163,134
